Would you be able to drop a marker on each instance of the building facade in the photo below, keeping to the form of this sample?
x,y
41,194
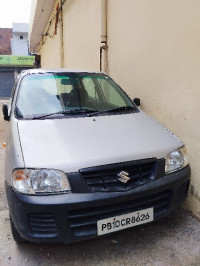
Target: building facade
x,y
19,41
151,48
6,74
13,48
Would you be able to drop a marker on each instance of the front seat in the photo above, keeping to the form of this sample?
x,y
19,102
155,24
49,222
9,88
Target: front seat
x,y
78,98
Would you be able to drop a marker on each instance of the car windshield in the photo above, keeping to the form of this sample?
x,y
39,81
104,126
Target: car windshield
x,y
69,93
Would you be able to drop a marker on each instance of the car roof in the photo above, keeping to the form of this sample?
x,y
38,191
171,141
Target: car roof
x,y
57,70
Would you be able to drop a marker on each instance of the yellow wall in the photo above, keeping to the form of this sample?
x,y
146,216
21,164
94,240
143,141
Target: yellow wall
x,y
81,36
81,21
50,52
50,46
154,54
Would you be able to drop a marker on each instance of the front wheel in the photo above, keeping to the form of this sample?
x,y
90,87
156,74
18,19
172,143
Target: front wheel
x,y
16,235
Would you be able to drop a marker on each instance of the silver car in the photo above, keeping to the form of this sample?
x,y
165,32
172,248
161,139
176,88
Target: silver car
x,y
83,160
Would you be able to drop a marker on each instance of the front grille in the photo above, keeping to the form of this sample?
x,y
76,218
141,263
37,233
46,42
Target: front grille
x,y
182,192
83,222
105,178
42,223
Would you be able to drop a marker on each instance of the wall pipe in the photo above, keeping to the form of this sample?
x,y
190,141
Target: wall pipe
x,y
103,46
62,37
103,21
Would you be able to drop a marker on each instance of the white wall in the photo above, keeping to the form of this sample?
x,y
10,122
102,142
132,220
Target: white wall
x,y
19,46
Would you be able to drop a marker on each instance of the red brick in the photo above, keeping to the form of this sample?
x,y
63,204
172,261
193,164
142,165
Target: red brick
x,y
5,41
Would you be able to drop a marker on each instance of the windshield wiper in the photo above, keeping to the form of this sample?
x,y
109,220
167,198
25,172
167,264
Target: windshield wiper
x,y
70,111
122,108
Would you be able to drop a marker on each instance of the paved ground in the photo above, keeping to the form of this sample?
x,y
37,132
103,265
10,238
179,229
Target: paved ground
x,y
171,241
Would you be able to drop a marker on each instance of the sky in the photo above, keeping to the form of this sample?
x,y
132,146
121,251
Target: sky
x,y
14,11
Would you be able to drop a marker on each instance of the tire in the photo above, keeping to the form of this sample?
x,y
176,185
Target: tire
x,y
16,235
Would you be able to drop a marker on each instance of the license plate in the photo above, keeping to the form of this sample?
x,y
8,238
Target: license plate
x,y
121,222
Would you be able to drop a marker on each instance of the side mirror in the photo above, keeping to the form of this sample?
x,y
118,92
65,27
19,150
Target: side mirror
x,y
5,112
136,101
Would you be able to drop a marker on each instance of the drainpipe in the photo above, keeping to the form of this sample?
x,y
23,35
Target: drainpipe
x,y
104,47
103,21
61,35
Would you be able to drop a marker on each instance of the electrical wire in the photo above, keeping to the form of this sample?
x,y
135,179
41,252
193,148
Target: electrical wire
x,y
47,32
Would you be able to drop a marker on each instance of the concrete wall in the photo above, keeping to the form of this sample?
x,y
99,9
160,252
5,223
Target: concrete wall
x,y
50,52
81,36
50,47
19,41
82,21
154,51
19,46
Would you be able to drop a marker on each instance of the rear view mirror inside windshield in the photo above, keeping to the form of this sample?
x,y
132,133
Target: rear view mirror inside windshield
x,y
66,81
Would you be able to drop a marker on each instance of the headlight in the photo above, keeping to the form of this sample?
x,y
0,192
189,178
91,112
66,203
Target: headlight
x,y
176,160
31,181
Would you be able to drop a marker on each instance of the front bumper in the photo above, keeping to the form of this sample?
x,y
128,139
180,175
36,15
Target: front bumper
x,y
73,217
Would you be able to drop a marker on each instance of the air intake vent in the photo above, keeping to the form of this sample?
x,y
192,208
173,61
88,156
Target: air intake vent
x,y
182,192
43,223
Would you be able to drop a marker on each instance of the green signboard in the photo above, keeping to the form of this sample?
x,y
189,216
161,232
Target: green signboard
x,y
17,60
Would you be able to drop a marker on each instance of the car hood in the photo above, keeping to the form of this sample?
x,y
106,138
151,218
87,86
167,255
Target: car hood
x,y
70,144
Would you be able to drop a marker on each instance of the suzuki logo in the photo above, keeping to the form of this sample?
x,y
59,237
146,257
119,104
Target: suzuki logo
x,y
123,177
